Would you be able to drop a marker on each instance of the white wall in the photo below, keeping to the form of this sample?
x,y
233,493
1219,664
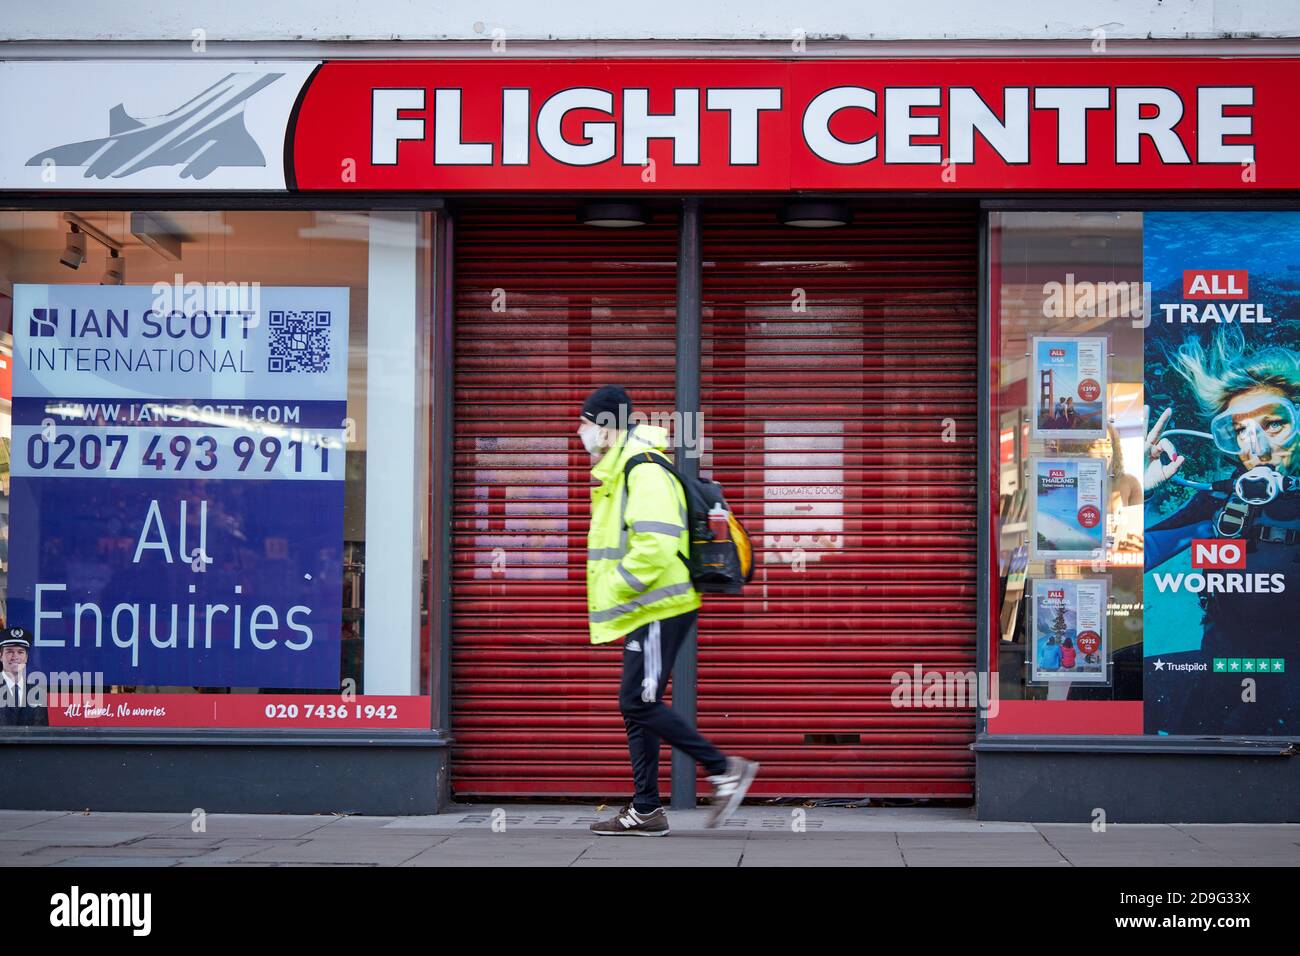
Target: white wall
x,y
330,20
393,456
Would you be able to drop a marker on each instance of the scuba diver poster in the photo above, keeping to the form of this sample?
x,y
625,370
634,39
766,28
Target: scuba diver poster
x,y
1222,476
1069,642
1068,387
1068,502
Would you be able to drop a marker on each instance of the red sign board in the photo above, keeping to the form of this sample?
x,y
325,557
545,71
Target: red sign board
x,y
1216,284
6,376
1209,553
287,711
614,125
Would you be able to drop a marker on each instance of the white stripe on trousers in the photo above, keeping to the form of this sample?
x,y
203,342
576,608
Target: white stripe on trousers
x,y
650,663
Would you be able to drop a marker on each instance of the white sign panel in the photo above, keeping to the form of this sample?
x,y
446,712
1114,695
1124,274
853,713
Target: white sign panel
x,y
201,124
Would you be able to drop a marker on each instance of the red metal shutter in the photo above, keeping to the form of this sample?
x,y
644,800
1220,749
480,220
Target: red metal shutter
x,y
856,389
836,364
546,310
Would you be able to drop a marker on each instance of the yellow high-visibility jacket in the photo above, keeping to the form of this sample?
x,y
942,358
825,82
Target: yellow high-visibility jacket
x,y
638,527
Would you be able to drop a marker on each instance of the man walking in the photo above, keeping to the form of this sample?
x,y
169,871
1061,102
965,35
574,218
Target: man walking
x,y
639,589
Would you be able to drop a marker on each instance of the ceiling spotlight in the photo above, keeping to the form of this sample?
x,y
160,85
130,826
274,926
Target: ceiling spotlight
x,y
613,215
114,269
160,234
74,249
816,215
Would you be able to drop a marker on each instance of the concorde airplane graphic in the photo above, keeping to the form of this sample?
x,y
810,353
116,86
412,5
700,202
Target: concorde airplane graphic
x,y
205,133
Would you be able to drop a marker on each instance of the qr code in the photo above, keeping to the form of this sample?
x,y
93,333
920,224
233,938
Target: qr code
x,y
300,341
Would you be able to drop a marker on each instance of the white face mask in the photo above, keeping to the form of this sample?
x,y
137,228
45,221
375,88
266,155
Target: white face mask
x,y
590,435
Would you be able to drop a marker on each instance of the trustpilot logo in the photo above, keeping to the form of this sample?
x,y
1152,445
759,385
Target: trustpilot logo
x,y
44,323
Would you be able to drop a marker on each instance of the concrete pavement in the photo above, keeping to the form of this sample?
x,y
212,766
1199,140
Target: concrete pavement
x,y
557,835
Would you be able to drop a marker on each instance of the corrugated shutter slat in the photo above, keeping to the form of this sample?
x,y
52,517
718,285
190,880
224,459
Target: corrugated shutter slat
x,y
825,423
832,359
546,310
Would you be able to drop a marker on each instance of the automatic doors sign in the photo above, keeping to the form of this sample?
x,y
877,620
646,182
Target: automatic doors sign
x,y
1069,507
1069,387
1222,357
1069,638
177,496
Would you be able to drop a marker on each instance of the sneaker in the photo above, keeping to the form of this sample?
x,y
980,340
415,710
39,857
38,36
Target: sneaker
x,y
630,823
729,789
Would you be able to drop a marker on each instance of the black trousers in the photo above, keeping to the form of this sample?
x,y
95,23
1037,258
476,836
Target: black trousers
x,y
649,653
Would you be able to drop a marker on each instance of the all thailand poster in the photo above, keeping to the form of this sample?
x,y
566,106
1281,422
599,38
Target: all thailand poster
x,y
1068,503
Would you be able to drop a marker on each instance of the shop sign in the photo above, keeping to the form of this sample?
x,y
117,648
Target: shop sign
x,y
653,125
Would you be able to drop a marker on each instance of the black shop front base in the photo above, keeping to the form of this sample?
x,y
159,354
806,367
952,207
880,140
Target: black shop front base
x,y
382,775
1137,780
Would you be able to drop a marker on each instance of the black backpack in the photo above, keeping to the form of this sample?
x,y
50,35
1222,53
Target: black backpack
x,y
716,567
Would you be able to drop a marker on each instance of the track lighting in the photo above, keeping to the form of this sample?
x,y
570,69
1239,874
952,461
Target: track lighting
x,y
114,269
74,248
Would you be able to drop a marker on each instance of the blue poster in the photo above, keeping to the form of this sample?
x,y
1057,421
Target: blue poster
x,y
1068,517
177,489
1222,514
1069,387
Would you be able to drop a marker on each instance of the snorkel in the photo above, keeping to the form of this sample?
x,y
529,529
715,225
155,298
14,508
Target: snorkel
x,y
1258,430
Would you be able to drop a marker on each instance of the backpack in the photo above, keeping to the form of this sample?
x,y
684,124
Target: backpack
x,y
716,567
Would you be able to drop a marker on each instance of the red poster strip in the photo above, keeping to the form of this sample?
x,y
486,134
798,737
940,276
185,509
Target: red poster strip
x,y
284,711
1089,717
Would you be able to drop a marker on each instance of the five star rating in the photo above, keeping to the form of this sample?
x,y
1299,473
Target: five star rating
x,y
1250,665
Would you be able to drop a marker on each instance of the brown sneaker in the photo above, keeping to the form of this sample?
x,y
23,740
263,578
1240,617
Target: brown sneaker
x,y
729,789
630,823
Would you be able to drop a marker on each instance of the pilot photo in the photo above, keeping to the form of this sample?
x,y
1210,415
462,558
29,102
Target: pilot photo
x,y
18,707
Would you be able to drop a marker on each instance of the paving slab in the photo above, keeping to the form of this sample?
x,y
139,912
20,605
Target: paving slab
x,y
260,826
77,836
122,849
17,819
13,852
315,852
117,861
559,835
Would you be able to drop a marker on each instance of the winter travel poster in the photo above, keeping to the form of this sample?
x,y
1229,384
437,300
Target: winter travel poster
x,y
1069,636
1068,387
1068,507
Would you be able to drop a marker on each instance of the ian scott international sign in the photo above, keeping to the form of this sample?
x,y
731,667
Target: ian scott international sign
x,y
177,495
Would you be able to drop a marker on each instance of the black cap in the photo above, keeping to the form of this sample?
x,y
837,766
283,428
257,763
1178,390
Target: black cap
x,y
610,400
14,637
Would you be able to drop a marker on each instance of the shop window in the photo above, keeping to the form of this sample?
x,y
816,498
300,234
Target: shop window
x,y
214,503
1145,378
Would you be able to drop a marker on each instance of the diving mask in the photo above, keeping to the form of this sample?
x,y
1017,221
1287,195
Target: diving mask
x,y
1257,429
